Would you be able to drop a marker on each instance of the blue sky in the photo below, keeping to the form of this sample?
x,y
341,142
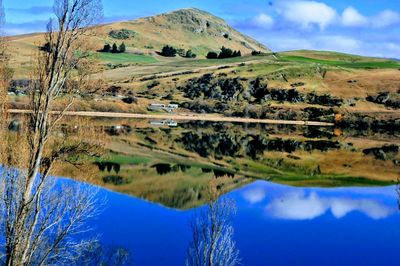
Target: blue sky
x,y
367,27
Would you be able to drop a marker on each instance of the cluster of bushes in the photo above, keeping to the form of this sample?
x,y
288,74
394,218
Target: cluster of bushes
x,y
122,34
261,92
188,54
170,51
224,53
226,89
234,89
387,99
205,107
324,99
114,48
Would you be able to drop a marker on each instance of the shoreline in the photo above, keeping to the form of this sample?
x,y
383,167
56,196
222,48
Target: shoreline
x,y
183,117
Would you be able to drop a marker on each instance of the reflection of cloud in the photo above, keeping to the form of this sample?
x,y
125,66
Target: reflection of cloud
x,y
254,195
298,206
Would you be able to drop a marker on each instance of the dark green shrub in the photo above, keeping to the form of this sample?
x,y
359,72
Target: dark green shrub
x,y
225,53
122,48
190,54
114,49
106,48
212,55
168,51
122,34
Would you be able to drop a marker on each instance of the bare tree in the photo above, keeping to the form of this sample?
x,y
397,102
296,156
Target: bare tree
x,y
5,71
212,236
41,217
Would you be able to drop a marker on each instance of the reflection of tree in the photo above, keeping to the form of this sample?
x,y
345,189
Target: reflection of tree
x,y
98,255
41,221
212,236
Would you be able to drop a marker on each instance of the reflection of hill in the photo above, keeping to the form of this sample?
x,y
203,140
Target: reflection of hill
x,y
177,166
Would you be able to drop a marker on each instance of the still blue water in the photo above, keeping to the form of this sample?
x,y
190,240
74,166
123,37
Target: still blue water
x,y
274,225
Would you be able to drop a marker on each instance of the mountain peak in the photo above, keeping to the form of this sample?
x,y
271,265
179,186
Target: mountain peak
x,y
185,29
214,31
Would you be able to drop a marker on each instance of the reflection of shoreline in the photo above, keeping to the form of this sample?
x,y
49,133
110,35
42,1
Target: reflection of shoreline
x,y
309,204
187,117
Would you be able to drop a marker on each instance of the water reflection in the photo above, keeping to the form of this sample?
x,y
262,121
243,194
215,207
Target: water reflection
x,y
213,236
300,206
255,195
137,154
309,204
167,122
345,221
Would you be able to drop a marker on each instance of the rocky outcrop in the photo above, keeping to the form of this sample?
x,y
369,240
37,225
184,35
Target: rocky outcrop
x,y
255,91
383,153
391,100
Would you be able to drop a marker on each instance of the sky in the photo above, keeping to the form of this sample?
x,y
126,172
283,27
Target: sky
x,y
365,27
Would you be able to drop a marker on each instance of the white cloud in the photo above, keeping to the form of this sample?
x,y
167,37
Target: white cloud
x,y
385,19
311,42
351,17
337,43
363,45
308,13
254,195
264,21
298,206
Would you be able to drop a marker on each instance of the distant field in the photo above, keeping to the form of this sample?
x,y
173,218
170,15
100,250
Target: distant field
x,y
348,62
124,159
125,58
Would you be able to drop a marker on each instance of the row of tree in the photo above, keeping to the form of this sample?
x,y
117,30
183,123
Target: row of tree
x,y
170,51
114,48
224,53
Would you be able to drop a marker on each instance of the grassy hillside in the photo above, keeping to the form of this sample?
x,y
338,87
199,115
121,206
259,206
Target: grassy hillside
x,y
125,58
188,29
338,59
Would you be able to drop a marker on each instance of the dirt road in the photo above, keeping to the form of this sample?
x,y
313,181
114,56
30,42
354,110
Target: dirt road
x,y
186,117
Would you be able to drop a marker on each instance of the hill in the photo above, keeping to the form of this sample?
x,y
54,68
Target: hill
x,y
188,29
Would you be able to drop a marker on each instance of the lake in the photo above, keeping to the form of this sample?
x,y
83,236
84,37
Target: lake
x,y
274,225
304,195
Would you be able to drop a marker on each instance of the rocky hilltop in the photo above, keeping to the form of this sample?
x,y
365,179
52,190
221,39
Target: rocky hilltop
x,y
184,28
